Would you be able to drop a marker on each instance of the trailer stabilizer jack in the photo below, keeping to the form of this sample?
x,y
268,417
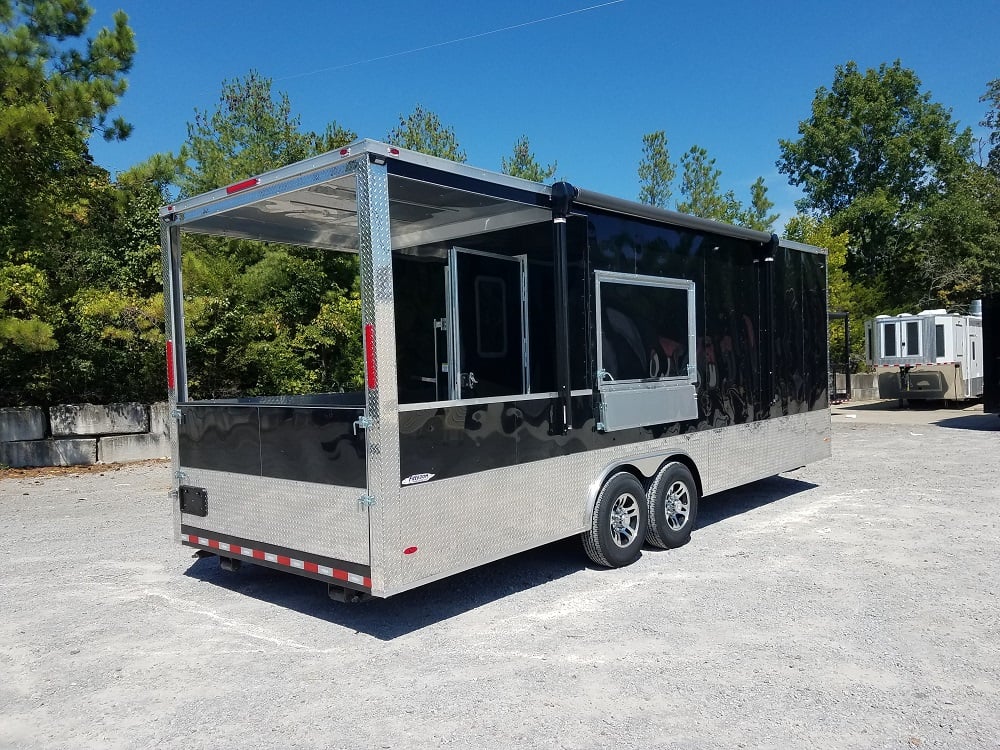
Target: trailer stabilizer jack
x,y
346,595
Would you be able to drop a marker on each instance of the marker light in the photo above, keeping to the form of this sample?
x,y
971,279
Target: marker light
x,y
171,378
370,356
242,186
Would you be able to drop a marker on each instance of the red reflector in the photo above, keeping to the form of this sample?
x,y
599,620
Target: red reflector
x,y
409,550
393,150
171,380
370,356
345,151
241,186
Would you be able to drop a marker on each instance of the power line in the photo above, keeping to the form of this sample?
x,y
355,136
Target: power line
x,y
451,41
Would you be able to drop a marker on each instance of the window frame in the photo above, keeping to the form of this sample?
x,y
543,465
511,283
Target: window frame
x,y
629,279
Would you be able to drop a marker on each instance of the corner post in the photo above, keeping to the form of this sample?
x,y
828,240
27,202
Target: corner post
x,y
562,198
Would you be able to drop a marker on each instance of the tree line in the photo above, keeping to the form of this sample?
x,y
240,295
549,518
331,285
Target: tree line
x,y
906,203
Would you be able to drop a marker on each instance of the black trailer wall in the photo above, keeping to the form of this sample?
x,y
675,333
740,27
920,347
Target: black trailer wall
x,y
991,353
761,340
761,323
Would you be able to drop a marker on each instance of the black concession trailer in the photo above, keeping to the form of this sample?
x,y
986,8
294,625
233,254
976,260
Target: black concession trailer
x,y
540,362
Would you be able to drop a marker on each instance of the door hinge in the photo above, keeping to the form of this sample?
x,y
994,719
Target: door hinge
x,y
180,476
366,501
177,414
361,423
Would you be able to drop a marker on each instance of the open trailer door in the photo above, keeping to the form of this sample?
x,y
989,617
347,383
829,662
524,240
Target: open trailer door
x,y
278,480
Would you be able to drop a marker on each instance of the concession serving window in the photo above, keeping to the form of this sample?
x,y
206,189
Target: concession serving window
x,y
645,350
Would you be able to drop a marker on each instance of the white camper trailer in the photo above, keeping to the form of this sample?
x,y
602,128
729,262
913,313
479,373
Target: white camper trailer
x,y
931,355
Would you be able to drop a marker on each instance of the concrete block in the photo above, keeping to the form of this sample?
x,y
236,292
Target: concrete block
x,y
124,448
22,423
159,414
70,452
92,419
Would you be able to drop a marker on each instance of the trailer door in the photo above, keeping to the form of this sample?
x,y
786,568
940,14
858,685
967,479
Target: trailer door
x,y
488,342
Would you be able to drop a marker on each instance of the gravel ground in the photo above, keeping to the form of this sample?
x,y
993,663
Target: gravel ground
x,y
850,604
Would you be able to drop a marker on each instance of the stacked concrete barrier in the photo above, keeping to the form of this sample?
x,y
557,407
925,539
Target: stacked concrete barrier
x,y
76,434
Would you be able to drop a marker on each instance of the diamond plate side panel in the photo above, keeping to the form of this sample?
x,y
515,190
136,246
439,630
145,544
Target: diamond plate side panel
x,y
471,520
317,518
375,254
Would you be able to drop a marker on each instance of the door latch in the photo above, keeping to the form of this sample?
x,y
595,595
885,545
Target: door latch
x,y
366,501
361,423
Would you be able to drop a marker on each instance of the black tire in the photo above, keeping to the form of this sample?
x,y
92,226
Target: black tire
x,y
618,525
672,506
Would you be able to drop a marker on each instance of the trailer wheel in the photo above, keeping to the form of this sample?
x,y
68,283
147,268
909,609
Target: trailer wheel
x,y
673,506
618,526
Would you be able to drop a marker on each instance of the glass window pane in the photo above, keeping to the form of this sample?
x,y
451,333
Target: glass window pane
x,y
939,340
889,340
644,331
912,338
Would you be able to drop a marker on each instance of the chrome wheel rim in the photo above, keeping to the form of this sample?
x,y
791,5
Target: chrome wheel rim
x,y
624,520
677,506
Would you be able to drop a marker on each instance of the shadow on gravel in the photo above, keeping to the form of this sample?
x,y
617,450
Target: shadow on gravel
x,y
427,605
983,422
412,610
733,502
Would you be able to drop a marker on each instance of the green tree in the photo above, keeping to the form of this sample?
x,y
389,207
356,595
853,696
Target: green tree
x,y
992,121
250,131
58,89
702,195
873,153
656,171
261,318
423,131
758,214
522,163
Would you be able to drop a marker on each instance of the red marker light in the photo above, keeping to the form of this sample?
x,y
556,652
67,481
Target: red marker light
x,y
393,150
370,356
242,186
409,550
171,378
345,151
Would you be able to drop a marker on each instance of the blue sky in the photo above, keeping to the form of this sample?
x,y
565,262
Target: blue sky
x,y
730,76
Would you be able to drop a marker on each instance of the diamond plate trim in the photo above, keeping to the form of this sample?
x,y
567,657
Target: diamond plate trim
x,y
460,523
320,519
375,253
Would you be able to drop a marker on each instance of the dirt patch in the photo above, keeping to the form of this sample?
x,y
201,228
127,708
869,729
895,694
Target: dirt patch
x,y
72,471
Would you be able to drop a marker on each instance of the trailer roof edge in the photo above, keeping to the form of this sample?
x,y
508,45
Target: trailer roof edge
x,y
643,211
351,152
803,247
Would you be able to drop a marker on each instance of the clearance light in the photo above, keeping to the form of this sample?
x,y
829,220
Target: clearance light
x,y
409,550
370,356
393,151
242,186
345,152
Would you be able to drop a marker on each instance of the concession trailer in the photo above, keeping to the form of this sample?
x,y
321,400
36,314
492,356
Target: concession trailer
x,y
539,362
933,355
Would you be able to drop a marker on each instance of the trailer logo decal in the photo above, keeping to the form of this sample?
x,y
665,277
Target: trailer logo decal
x,y
283,560
417,479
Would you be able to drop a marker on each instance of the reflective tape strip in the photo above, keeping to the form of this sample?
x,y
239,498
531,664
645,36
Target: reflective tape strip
x,y
288,562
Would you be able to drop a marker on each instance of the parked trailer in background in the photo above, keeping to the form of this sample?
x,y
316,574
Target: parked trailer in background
x,y
933,355
991,353
540,362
